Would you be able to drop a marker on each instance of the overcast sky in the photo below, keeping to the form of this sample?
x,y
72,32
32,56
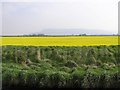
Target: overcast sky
x,y
59,16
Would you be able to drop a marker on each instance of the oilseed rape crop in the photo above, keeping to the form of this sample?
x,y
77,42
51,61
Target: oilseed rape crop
x,y
61,41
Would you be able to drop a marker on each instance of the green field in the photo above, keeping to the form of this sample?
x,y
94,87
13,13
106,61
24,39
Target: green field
x,y
54,66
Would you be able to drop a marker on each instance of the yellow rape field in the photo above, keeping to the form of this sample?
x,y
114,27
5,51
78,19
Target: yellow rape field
x,y
61,41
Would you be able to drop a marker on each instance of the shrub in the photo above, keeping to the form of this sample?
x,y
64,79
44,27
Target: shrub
x,y
71,64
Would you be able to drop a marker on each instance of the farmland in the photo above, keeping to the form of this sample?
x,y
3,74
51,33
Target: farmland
x,y
61,66
61,41
72,61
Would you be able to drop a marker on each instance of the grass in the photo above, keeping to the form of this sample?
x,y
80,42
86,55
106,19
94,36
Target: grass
x,y
54,66
54,78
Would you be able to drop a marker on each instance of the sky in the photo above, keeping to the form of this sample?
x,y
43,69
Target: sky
x,y
19,17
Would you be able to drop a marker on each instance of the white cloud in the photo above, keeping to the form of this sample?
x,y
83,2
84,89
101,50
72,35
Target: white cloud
x,y
0,19
25,18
